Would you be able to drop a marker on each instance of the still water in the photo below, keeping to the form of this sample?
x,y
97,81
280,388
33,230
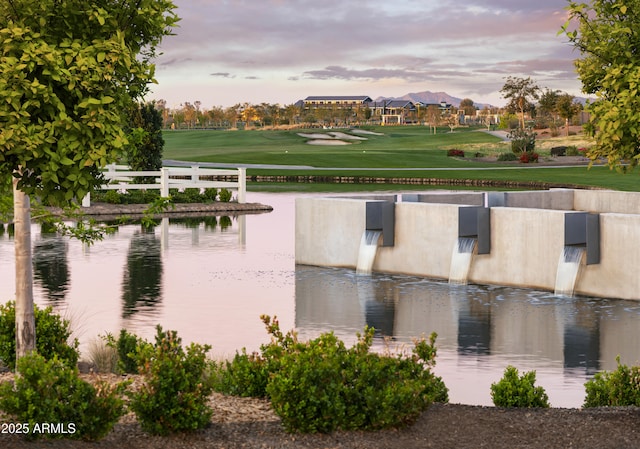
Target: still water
x,y
211,279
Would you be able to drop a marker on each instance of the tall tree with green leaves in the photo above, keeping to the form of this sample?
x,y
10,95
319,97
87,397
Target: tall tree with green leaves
x,y
144,151
521,92
567,108
606,34
68,71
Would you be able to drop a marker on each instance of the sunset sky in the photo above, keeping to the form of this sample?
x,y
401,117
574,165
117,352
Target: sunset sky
x,y
279,51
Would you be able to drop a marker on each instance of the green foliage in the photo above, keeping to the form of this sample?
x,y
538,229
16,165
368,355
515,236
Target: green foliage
x,y
520,92
614,388
177,385
127,346
245,375
224,195
52,392
248,374
572,150
68,71
321,385
609,68
146,153
53,336
211,194
506,157
518,391
522,140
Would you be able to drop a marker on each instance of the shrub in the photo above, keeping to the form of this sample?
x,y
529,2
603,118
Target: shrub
x,y
573,151
177,384
506,157
127,347
527,157
518,391
455,153
615,388
224,195
522,140
52,392
246,375
211,194
53,336
322,386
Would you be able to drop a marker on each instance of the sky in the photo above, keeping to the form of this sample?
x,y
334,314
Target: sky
x,y
226,52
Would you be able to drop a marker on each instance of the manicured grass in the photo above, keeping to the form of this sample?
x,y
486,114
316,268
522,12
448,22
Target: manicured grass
x,y
398,147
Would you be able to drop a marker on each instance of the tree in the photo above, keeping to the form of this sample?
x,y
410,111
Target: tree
x,y
566,108
144,152
520,92
468,107
434,116
68,72
605,33
547,103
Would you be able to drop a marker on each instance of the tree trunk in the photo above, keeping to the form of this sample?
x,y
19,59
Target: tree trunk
x,y
25,319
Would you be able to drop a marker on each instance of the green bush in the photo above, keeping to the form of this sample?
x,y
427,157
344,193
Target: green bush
x,y
506,157
615,388
572,150
51,392
322,386
522,140
211,194
53,336
224,195
247,375
518,391
174,396
127,346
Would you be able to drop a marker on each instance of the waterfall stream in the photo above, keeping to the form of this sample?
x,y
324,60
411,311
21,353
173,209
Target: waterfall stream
x,y
367,253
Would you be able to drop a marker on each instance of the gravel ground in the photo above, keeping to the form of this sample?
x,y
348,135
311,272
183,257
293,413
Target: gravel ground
x,y
251,423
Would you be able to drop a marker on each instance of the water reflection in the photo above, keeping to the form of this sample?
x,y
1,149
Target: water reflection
x,y
142,279
473,320
212,279
50,266
479,328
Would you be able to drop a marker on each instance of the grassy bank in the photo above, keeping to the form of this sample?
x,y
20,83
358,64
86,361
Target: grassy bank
x,y
398,148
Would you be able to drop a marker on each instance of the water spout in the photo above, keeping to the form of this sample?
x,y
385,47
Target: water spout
x,y
461,260
568,268
367,253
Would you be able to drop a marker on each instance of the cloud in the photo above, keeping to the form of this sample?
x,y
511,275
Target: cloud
x,y
337,43
223,75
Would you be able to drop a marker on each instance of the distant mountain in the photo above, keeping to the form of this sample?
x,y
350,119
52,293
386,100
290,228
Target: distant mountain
x,y
432,97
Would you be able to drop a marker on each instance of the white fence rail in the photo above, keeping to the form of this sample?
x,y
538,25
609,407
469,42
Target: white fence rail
x,y
122,177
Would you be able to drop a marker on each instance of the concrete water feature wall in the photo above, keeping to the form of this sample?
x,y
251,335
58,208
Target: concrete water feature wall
x,y
526,234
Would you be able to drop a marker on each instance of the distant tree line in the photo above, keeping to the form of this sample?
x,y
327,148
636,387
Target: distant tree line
x,y
541,109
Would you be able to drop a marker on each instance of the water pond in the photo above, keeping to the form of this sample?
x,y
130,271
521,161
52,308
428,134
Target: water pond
x,y
211,279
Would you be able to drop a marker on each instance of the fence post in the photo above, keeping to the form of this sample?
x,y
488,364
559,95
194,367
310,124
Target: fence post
x,y
164,182
194,174
242,185
86,201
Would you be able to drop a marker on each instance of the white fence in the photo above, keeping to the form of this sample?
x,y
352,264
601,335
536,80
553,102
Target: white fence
x,y
122,177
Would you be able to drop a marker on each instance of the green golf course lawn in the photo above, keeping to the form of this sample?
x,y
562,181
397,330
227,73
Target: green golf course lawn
x,y
397,147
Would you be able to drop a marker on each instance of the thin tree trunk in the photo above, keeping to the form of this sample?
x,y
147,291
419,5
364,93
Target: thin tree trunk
x,y
25,319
